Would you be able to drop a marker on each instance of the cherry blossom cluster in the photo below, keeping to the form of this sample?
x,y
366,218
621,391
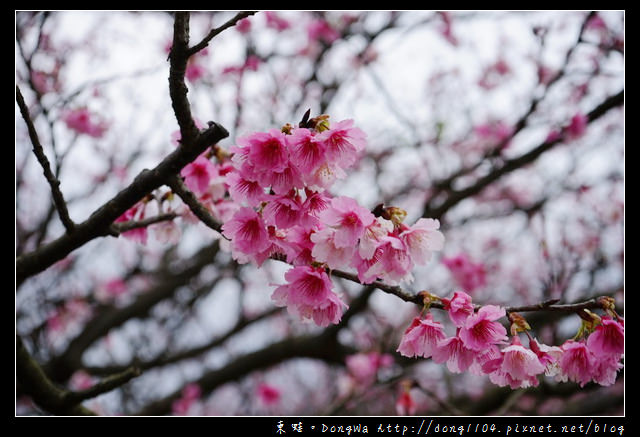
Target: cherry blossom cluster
x,y
482,347
281,178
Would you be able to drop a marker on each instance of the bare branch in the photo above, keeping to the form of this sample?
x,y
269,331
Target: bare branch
x,y
232,22
200,211
54,183
106,385
135,224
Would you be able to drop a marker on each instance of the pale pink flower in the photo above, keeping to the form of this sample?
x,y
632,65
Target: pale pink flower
x,y
308,295
247,232
422,239
343,143
519,362
325,249
453,351
393,262
252,63
606,369
80,380
607,339
548,356
459,308
348,218
577,362
83,122
372,237
421,338
363,367
307,152
167,232
268,394
198,174
481,329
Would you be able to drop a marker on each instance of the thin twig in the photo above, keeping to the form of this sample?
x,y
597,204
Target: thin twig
x,y
200,211
205,41
135,224
104,386
54,183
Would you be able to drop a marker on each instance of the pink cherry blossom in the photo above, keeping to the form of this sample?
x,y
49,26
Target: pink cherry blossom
x,y
114,287
83,122
372,237
276,22
453,351
405,404
247,232
577,126
267,151
577,362
468,275
282,211
548,356
326,250
167,232
422,239
481,330
268,394
308,295
607,339
421,337
519,362
194,71
136,212
363,367
393,262
198,174
459,308
244,190
320,30
243,26
348,218
606,369
307,152
189,396
343,143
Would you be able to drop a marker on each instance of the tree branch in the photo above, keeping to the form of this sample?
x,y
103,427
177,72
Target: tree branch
x,y
232,22
516,163
54,183
106,385
197,208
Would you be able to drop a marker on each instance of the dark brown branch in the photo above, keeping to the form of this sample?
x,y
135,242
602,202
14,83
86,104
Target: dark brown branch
x,y
232,22
515,163
135,224
54,183
188,353
61,367
35,383
98,224
321,346
197,208
106,385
